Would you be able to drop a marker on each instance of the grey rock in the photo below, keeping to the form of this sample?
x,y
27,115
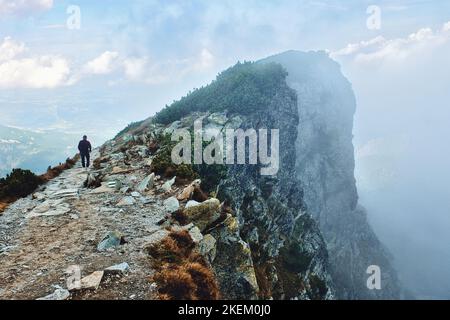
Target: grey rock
x,y
195,234
58,294
102,189
203,214
207,247
171,205
147,183
118,268
111,240
92,281
167,186
66,193
126,201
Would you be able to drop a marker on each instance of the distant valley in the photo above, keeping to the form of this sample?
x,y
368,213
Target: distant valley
x,y
34,150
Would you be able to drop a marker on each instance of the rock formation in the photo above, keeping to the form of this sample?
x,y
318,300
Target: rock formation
x,y
325,171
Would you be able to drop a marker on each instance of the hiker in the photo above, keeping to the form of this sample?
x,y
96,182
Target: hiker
x,y
85,149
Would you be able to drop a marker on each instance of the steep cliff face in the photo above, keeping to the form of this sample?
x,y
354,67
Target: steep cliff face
x,y
287,249
325,171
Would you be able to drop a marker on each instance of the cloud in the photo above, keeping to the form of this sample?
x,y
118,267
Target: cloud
x,y
40,72
134,67
10,49
20,69
24,7
45,71
380,49
103,64
446,27
141,69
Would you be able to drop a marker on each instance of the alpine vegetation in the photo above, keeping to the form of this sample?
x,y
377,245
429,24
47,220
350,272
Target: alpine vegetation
x,y
232,147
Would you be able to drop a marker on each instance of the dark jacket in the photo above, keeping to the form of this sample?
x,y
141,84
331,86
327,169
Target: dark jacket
x,y
84,147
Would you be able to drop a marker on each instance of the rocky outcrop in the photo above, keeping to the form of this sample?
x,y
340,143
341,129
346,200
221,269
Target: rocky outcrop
x,y
287,250
325,171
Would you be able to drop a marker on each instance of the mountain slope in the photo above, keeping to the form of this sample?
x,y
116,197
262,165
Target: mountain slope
x,y
135,207
249,235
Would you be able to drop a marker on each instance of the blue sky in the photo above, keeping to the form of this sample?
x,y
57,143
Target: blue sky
x,y
139,55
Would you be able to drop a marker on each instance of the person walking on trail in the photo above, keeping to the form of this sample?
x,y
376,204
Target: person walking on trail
x,y
85,149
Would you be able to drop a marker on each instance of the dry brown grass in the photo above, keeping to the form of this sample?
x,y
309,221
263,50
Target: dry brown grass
x,y
180,217
56,171
3,206
181,273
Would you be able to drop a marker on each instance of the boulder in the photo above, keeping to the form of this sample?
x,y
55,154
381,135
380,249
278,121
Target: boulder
x,y
187,192
111,240
203,214
102,189
207,247
92,281
233,262
118,268
58,294
147,183
171,205
167,186
195,234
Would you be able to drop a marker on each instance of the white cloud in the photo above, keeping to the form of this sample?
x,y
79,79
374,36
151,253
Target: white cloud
x,y
142,70
9,141
20,69
103,64
10,49
356,47
381,49
45,71
446,27
134,67
40,72
20,7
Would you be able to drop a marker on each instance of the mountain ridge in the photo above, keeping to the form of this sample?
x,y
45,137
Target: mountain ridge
x,y
255,237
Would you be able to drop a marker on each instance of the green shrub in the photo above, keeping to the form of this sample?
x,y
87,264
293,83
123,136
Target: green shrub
x,y
243,88
162,162
19,183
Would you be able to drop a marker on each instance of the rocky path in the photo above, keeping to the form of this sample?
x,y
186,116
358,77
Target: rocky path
x,y
63,223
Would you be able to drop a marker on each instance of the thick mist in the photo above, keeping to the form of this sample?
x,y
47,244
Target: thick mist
x,y
402,160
